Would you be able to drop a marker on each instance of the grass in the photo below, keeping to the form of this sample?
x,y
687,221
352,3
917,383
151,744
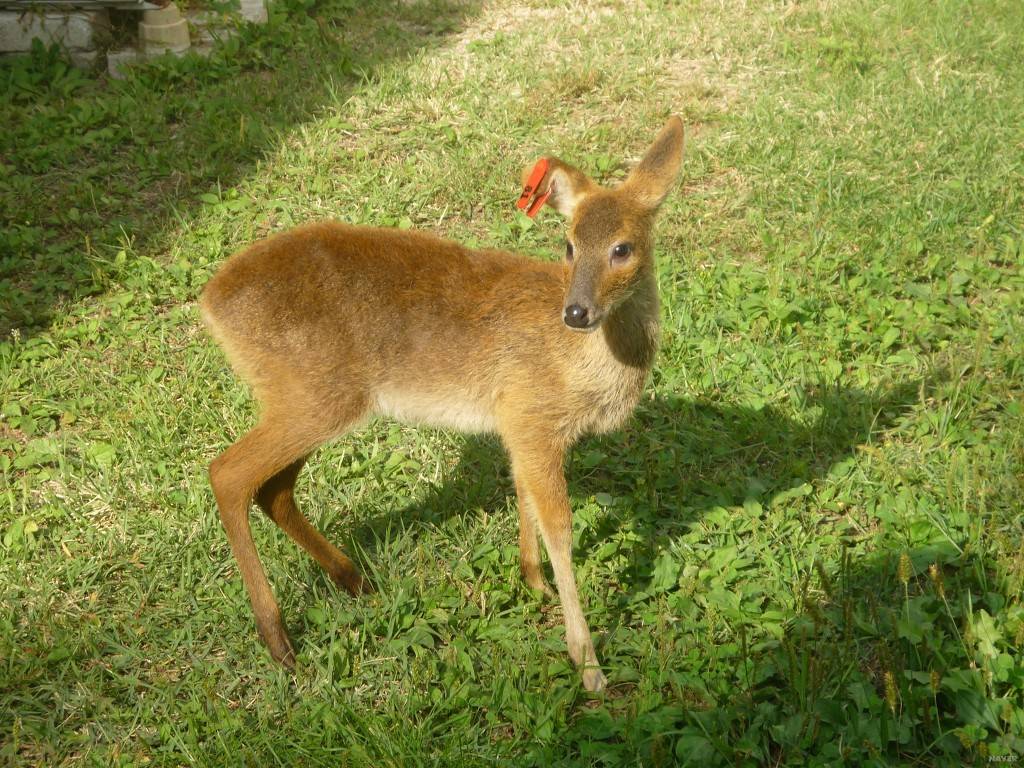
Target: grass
x,y
805,549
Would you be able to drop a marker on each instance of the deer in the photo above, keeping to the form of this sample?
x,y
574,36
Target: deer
x,y
331,324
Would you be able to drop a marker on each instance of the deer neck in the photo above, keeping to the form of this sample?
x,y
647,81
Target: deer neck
x,y
631,330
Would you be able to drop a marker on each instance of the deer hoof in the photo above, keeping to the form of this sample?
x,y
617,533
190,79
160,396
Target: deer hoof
x,y
594,680
353,582
280,646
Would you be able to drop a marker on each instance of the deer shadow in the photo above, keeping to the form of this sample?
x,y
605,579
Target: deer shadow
x,y
677,459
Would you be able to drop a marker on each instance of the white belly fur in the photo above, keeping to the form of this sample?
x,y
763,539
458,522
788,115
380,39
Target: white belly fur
x,y
463,414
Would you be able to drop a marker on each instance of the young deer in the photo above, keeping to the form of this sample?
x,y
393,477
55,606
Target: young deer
x,y
331,323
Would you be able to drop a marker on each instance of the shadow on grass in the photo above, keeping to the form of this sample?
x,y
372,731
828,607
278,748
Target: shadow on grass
x,y
676,460
879,662
873,655
91,168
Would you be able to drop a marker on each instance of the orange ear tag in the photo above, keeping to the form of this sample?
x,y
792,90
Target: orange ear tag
x,y
536,177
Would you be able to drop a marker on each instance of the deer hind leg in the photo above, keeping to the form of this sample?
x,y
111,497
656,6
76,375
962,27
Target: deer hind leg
x,y
529,551
236,475
277,499
280,440
543,482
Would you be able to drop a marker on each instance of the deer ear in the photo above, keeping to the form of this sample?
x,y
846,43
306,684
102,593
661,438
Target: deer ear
x,y
652,179
565,184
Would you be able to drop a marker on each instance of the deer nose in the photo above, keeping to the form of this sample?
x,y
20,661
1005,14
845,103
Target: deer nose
x,y
576,316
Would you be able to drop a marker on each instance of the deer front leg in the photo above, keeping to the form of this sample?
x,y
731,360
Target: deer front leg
x,y
529,551
541,480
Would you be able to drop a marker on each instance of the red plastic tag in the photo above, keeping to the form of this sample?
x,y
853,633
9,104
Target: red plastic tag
x,y
536,177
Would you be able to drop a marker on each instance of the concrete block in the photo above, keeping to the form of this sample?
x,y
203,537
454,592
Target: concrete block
x,y
74,30
163,30
118,61
209,27
254,11
84,59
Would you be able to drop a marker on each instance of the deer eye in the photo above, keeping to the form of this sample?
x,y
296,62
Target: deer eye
x,y
568,251
621,251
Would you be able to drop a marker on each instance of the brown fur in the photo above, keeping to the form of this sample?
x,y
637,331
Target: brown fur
x,y
331,324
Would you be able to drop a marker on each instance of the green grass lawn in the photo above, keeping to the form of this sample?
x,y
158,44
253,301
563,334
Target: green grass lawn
x,y
806,547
